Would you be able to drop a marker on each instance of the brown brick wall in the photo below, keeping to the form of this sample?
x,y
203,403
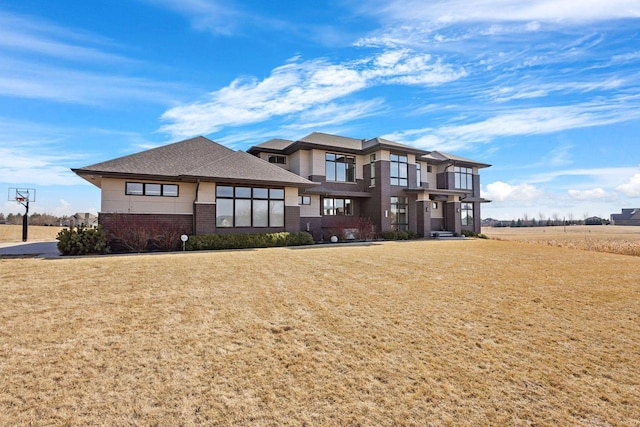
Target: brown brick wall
x,y
205,218
113,222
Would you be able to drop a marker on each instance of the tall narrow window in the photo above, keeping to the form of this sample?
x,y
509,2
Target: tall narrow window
x,y
372,165
463,178
418,174
340,168
466,213
399,213
399,170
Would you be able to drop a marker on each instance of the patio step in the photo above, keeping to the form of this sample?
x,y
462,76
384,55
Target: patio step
x,y
445,235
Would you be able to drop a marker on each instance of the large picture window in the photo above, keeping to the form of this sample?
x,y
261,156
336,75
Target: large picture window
x,y
340,168
399,213
399,170
337,206
463,178
150,189
249,207
466,213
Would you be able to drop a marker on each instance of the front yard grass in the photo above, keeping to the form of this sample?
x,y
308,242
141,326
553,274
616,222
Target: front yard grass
x,y
476,332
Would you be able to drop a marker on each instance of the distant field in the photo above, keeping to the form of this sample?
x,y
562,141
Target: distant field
x,y
475,332
600,238
13,233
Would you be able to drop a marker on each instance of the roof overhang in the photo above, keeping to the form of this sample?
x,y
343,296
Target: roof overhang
x,y
95,178
327,192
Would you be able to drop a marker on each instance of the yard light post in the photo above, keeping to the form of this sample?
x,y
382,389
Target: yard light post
x,y
184,239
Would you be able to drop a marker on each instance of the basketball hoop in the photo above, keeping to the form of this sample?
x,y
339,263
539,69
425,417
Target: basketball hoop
x,y
24,196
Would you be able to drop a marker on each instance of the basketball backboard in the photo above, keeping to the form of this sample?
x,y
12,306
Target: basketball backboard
x,y
24,196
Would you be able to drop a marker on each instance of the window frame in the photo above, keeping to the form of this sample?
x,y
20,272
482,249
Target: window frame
x,y
400,202
277,159
257,196
418,174
401,162
466,213
304,200
333,170
149,193
372,163
463,178
346,202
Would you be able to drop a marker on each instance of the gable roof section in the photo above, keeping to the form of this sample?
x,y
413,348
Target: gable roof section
x,y
191,159
242,166
332,142
272,144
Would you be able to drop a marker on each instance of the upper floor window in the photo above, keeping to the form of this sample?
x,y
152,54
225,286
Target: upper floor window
x,y
418,174
399,170
463,178
281,160
372,165
340,168
150,189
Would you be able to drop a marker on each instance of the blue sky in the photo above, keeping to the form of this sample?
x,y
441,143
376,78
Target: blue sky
x,y
547,92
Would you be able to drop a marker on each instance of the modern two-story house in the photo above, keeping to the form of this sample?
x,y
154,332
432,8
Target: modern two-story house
x,y
314,184
396,186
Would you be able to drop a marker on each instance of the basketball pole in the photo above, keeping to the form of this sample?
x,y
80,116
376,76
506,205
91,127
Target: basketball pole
x,y
25,221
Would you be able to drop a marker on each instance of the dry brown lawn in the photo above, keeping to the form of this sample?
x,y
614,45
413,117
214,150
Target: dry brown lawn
x,y
476,332
35,233
623,240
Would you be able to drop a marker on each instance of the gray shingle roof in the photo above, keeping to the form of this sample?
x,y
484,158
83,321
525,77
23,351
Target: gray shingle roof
x,y
275,144
196,158
333,141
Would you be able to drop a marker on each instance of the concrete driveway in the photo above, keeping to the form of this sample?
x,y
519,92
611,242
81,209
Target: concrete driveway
x,y
29,249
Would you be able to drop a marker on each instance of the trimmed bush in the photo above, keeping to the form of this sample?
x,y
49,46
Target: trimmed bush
x,y
247,241
82,241
399,235
468,233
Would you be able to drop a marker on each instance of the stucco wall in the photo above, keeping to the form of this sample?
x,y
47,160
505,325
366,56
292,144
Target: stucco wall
x,y
114,199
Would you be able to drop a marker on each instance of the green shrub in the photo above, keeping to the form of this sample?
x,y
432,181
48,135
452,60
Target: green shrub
x,y
300,238
82,241
389,235
399,235
245,241
468,233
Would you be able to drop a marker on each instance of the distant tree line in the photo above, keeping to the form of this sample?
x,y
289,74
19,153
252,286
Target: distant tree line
x,y
553,221
35,219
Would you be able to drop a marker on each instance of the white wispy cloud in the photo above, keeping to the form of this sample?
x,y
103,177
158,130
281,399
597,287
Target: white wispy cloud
x,y
28,79
453,11
306,88
540,90
43,61
210,15
531,121
611,176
